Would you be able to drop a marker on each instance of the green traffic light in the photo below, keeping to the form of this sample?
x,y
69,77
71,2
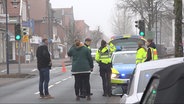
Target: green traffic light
x,y
18,37
141,33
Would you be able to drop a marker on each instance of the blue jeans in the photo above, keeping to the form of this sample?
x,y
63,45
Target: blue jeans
x,y
44,81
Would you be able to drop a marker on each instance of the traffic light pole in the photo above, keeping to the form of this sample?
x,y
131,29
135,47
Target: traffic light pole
x,y
7,39
19,69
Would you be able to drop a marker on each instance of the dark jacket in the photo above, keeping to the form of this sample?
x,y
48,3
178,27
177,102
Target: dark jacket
x,y
43,57
87,47
82,61
149,57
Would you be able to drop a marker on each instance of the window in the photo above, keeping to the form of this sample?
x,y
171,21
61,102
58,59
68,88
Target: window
x,y
151,92
125,58
144,79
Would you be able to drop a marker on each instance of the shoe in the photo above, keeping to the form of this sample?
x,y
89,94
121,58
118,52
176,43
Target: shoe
x,y
82,96
104,95
42,96
88,98
77,98
109,95
48,97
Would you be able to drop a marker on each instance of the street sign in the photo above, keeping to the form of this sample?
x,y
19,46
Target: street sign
x,y
3,18
25,38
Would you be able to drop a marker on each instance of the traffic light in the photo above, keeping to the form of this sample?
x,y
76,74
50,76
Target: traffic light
x,y
137,24
17,32
24,31
141,28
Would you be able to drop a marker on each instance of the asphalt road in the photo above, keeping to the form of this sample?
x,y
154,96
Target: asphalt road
x,y
61,87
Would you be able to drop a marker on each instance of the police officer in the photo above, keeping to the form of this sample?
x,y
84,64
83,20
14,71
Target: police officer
x,y
87,43
103,58
141,52
152,51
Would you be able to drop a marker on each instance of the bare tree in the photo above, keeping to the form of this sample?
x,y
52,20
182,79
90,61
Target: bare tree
x,y
122,23
147,9
95,35
70,35
178,28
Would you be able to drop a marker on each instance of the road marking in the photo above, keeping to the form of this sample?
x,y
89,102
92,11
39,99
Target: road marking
x,y
34,70
36,93
51,86
58,82
3,71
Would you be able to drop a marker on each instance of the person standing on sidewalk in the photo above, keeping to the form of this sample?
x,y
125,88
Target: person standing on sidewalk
x,y
103,58
44,65
82,65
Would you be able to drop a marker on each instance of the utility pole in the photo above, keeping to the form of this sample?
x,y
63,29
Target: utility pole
x,y
178,28
149,15
156,24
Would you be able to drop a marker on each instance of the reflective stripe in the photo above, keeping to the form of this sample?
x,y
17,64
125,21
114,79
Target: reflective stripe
x,y
154,54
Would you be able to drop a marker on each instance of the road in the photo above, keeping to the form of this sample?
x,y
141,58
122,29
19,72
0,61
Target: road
x,y
61,87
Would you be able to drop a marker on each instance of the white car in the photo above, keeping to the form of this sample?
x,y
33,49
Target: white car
x,y
141,76
93,52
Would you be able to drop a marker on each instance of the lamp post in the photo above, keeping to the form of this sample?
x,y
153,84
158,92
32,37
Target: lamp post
x,y
7,38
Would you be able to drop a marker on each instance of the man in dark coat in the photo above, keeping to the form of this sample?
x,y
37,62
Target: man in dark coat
x,y
44,65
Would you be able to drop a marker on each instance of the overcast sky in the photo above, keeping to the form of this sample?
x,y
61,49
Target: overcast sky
x,y
94,12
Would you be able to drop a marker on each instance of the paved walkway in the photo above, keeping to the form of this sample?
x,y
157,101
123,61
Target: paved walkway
x,y
55,63
5,81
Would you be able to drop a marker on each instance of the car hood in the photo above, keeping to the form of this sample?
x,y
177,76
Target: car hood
x,y
124,68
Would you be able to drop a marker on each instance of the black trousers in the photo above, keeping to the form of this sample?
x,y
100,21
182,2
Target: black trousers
x,y
105,73
82,81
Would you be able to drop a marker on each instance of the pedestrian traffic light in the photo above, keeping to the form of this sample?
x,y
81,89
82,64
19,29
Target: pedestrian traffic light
x,y
17,32
24,31
137,24
141,28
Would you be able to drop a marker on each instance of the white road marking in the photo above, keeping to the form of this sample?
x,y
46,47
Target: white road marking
x,y
51,86
36,93
58,82
34,70
3,71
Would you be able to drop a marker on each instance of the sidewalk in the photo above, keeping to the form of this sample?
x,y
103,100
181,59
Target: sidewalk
x,y
12,78
55,63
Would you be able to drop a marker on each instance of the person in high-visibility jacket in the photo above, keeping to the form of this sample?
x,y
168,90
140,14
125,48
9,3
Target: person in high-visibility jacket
x,y
87,43
141,53
103,58
152,51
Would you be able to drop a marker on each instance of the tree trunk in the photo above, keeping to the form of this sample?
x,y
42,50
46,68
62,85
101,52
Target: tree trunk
x,y
178,28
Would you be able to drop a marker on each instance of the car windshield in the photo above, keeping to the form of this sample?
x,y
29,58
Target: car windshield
x,y
127,43
124,58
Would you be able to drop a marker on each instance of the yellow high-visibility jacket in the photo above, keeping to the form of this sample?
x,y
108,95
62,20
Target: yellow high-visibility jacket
x,y
141,55
104,55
